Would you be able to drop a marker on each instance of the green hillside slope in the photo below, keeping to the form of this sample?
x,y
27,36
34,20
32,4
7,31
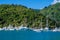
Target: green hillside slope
x,y
17,15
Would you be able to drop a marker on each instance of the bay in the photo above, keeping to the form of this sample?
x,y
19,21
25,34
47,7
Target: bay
x,y
27,34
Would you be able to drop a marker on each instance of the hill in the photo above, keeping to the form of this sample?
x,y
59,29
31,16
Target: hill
x,y
17,15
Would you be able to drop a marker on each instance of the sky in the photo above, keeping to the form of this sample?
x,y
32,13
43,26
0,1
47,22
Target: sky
x,y
35,4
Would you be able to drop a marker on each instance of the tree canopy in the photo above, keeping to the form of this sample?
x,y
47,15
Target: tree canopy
x,y
17,15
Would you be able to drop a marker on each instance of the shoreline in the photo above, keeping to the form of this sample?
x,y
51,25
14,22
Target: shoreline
x,y
11,28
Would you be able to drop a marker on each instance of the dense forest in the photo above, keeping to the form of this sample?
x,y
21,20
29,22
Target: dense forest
x,y
17,15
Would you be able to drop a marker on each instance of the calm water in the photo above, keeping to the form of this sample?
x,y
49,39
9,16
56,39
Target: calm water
x,y
29,35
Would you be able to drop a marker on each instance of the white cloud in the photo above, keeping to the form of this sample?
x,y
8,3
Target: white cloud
x,y
55,1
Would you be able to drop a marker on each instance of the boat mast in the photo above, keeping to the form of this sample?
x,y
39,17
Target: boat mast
x,y
47,21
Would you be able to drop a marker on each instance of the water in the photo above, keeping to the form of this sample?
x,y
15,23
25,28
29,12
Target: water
x,y
29,35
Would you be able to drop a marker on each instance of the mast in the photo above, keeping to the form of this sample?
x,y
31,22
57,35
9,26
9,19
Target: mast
x,y
41,23
47,21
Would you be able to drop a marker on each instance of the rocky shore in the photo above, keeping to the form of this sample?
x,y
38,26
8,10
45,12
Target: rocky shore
x,y
11,28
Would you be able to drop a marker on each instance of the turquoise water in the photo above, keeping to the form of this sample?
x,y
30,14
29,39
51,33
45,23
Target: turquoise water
x,y
29,35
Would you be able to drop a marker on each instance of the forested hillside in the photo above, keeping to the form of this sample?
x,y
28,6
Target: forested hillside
x,y
17,15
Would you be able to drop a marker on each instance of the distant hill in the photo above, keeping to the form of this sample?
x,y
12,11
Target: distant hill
x,y
17,15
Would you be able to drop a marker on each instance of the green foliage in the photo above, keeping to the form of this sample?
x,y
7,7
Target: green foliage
x,y
17,15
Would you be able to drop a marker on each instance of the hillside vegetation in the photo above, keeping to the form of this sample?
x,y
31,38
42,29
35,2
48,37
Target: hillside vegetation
x,y
17,15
